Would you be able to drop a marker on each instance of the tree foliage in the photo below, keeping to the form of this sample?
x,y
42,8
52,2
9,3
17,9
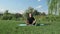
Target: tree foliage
x,y
53,6
31,10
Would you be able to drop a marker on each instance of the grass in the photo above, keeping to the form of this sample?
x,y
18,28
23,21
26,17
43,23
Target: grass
x,y
11,27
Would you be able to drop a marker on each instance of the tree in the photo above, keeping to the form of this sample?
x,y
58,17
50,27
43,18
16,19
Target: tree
x,y
6,12
17,16
6,16
36,12
43,14
53,6
31,10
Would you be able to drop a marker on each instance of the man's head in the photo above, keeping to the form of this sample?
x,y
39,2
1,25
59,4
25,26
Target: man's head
x,y
30,15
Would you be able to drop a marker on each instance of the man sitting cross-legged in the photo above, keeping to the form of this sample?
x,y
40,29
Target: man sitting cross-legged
x,y
30,20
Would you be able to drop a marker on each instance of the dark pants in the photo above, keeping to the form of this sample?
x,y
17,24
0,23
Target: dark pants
x,y
31,24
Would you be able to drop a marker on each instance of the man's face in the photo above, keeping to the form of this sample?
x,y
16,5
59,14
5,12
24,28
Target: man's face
x,y
30,15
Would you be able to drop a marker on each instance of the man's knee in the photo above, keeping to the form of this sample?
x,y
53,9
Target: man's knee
x,y
34,23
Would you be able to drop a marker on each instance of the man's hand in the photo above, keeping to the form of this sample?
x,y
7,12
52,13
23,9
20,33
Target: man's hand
x,y
34,21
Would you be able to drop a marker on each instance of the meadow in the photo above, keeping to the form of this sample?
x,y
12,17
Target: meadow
x,y
11,27
9,21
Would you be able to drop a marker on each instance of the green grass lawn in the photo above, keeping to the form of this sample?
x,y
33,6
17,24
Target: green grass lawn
x,y
11,27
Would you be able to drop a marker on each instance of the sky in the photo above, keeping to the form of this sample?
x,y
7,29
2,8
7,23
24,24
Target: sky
x,y
19,6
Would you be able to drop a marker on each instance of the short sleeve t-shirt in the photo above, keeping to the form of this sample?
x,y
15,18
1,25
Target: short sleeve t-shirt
x,y
30,20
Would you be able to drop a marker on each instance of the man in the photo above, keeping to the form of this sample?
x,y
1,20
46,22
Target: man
x,y
31,20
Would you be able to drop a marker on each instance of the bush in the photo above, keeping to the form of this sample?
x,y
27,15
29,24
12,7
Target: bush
x,y
6,17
